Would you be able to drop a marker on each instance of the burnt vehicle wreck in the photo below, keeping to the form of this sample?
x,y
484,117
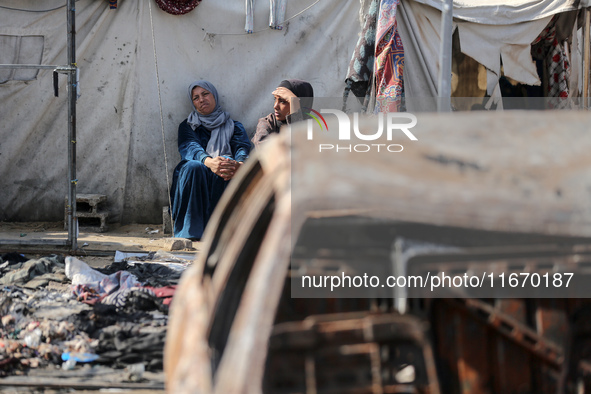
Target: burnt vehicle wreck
x,y
500,201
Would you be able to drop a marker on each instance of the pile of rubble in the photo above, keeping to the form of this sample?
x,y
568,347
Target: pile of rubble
x,y
58,312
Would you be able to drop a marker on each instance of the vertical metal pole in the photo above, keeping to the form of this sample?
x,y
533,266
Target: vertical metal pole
x,y
444,82
72,96
585,93
400,294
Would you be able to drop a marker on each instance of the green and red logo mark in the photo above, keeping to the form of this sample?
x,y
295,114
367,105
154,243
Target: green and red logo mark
x,y
317,117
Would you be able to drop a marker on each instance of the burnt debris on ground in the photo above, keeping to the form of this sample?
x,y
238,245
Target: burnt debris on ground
x,y
58,313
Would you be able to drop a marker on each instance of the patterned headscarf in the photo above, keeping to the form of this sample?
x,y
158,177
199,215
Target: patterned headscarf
x,y
218,122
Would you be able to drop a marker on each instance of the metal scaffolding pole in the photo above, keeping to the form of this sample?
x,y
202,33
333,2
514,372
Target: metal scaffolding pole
x,y
72,96
445,47
72,71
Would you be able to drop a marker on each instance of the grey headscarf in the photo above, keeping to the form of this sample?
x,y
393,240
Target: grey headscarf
x,y
218,122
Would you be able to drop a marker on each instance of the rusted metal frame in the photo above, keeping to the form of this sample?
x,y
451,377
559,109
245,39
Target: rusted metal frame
x,y
534,259
513,368
473,370
241,191
506,252
242,367
584,367
434,387
347,353
217,232
347,328
513,308
376,370
236,230
242,371
310,372
356,333
581,372
522,335
436,258
223,221
576,370
216,238
228,300
551,318
248,177
475,358
445,333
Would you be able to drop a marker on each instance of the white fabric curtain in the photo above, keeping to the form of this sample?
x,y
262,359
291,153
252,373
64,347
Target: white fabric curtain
x,y
488,43
505,12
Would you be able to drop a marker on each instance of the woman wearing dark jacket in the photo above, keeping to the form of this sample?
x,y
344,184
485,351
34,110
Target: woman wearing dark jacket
x,y
212,148
291,96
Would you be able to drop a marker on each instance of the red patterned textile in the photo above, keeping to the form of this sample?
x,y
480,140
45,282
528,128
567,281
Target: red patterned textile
x,y
389,64
546,47
177,7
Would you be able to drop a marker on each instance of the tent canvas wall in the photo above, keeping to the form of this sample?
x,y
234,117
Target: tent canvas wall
x,y
124,151
497,34
120,148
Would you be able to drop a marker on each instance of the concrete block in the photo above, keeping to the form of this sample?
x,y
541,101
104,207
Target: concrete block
x,y
87,213
89,202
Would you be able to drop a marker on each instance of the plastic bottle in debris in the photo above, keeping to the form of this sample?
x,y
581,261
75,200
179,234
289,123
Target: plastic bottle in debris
x,y
135,372
33,339
69,364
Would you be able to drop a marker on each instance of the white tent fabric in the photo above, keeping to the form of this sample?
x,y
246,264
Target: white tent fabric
x,y
505,12
419,29
487,43
120,149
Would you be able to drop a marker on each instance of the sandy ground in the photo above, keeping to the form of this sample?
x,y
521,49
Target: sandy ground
x,y
96,249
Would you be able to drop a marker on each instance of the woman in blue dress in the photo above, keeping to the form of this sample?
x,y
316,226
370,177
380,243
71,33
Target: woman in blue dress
x,y
212,148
